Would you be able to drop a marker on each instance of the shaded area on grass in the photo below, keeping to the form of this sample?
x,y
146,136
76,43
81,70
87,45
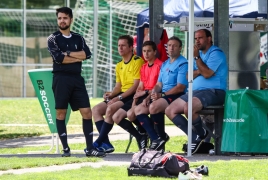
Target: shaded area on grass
x,y
17,135
12,132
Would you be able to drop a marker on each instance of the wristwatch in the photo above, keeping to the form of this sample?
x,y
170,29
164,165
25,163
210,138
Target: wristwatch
x,y
197,57
120,97
146,92
163,94
68,53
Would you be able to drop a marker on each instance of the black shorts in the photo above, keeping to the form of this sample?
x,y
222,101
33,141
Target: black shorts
x,y
172,97
208,97
127,106
70,89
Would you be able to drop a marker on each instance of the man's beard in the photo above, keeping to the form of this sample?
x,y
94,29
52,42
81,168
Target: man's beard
x,y
201,48
64,28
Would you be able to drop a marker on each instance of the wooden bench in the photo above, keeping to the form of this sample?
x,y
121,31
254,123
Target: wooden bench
x,y
218,112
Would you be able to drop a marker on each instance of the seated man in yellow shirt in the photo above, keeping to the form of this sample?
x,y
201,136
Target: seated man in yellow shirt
x,y
127,81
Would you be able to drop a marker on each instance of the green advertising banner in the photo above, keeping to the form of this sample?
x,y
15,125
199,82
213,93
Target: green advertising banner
x,y
42,83
245,123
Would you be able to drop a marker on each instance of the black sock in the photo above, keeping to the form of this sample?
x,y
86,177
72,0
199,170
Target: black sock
x,y
99,125
159,122
128,126
197,123
148,126
140,129
182,123
105,129
62,132
88,132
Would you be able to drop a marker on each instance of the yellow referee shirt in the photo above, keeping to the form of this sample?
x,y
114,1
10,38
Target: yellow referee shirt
x,y
126,73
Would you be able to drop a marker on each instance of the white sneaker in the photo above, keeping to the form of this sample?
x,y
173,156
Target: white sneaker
x,y
188,175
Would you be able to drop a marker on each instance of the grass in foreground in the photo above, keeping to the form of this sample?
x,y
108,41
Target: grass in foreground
x,y
174,145
219,170
20,163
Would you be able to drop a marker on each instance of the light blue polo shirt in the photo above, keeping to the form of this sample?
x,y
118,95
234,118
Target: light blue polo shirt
x,y
173,73
215,59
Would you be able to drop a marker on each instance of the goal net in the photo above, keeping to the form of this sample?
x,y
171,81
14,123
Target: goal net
x,y
115,18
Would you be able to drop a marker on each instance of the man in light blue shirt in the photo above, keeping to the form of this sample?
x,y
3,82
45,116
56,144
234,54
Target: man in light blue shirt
x,y
209,86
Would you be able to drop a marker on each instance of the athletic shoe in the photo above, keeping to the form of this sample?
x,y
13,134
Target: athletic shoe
x,y
194,147
202,170
188,175
142,143
66,152
205,135
98,147
94,153
107,148
104,147
157,144
167,137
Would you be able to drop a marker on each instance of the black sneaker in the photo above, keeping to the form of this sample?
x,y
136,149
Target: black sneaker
x,y
202,170
157,144
66,152
195,146
205,135
184,147
94,153
142,143
167,137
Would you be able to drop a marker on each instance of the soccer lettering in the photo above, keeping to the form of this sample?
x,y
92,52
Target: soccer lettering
x,y
45,104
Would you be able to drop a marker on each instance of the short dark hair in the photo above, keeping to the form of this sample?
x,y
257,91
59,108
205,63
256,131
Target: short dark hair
x,y
128,38
176,38
207,32
65,10
150,43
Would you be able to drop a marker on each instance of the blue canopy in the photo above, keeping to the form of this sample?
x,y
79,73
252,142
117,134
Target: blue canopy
x,y
174,9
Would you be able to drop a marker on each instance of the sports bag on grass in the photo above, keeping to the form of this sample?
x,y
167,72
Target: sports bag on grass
x,y
157,163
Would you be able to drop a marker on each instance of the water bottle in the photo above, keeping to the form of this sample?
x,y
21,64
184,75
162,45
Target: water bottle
x,y
211,152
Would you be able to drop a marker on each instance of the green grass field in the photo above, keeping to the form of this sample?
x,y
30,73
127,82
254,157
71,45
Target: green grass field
x,y
28,111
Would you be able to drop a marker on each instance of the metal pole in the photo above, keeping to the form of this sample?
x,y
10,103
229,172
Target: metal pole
x,y
24,50
156,14
190,75
67,2
95,47
111,46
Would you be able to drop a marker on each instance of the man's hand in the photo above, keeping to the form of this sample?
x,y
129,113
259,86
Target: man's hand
x,y
139,94
106,96
115,99
155,96
196,51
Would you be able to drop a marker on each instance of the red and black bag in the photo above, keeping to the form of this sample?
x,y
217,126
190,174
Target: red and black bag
x,y
157,163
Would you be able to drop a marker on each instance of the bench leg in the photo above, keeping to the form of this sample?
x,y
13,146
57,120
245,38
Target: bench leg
x,y
209,131
218,129
129,142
